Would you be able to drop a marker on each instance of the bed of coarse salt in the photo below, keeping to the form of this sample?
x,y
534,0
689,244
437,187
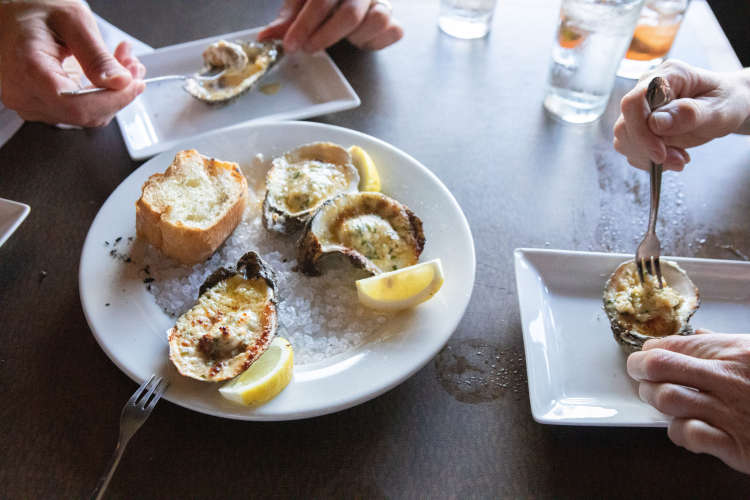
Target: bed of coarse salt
x,y
320,315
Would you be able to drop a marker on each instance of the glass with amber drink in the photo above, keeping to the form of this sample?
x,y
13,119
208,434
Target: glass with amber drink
x,y
592,37
656,30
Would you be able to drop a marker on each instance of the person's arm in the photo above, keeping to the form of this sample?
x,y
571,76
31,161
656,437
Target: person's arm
x,y
314,25
703,381
705,105
35,38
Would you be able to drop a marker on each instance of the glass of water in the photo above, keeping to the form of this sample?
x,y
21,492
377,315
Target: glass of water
x,y
592,37
466,18
653,36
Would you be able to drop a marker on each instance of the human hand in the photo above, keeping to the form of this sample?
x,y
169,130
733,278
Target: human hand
x,y
35,38
705,105
314,25
703,381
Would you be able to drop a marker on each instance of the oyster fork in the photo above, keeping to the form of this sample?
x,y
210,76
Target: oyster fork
x,y
648,252
208,76
134,413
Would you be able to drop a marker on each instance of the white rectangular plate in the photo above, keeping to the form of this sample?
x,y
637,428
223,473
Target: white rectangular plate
x,y
576,370
12,214
164,114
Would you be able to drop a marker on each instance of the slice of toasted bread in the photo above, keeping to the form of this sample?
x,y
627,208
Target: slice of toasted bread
x,y
190,209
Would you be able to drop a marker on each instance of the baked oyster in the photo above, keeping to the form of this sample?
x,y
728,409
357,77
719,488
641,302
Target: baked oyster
x,y
375,232
231,325
244,62
639,312
301,180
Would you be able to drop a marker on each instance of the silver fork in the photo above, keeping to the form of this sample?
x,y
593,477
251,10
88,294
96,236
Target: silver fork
x,y
648,252
208,76
134,413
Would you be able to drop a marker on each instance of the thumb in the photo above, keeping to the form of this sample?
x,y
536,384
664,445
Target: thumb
x,y
77,29
279,26
679,117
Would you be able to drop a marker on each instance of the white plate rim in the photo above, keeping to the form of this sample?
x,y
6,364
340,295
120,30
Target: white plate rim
x,y
519,254
352,101
339,405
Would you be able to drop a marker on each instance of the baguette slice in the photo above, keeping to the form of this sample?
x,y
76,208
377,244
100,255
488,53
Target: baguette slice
x,y
189,210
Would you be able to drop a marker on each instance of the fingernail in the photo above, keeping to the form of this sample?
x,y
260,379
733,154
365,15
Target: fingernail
x,y
641,396
291,45
662,120
633,365
649,344
114,73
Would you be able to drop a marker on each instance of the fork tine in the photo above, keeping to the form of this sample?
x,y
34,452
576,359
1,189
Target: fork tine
x,y
658,273
151,388
639,265
139,391
154,395
163,384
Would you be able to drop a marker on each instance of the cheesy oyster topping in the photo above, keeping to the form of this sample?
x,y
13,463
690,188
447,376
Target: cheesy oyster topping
x,y
308,183
376,239
644,302
214,334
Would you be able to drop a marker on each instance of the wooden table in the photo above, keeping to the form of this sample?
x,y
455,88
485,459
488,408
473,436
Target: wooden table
x,y
469,110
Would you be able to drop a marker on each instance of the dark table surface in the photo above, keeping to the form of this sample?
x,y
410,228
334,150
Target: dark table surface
x,y
522,179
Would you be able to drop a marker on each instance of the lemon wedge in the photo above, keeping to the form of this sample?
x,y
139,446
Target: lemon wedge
x,y
403,288
265,378
369,180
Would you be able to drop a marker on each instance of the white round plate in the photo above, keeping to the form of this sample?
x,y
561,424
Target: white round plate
x,y
131,328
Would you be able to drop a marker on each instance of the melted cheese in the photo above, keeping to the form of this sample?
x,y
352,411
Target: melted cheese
x,y
306,184
646,303
224,324
376,239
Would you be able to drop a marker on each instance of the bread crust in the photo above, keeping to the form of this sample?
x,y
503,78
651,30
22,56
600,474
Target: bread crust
x,y
188,245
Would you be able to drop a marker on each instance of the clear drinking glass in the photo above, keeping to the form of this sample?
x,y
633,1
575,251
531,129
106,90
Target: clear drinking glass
x,y
591,39
466,18
653,36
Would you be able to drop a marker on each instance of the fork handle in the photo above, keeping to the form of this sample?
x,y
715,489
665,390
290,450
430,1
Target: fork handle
x,y
100,89
101,486
658,94
656,171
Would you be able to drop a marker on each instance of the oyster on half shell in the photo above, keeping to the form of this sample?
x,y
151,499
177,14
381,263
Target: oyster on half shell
x,y
244,62
641,311
376,232
301,180
230,326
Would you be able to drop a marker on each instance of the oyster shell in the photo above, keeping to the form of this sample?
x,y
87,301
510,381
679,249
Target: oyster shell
x,y
376,232
230,326
245,63
639,312
301,180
